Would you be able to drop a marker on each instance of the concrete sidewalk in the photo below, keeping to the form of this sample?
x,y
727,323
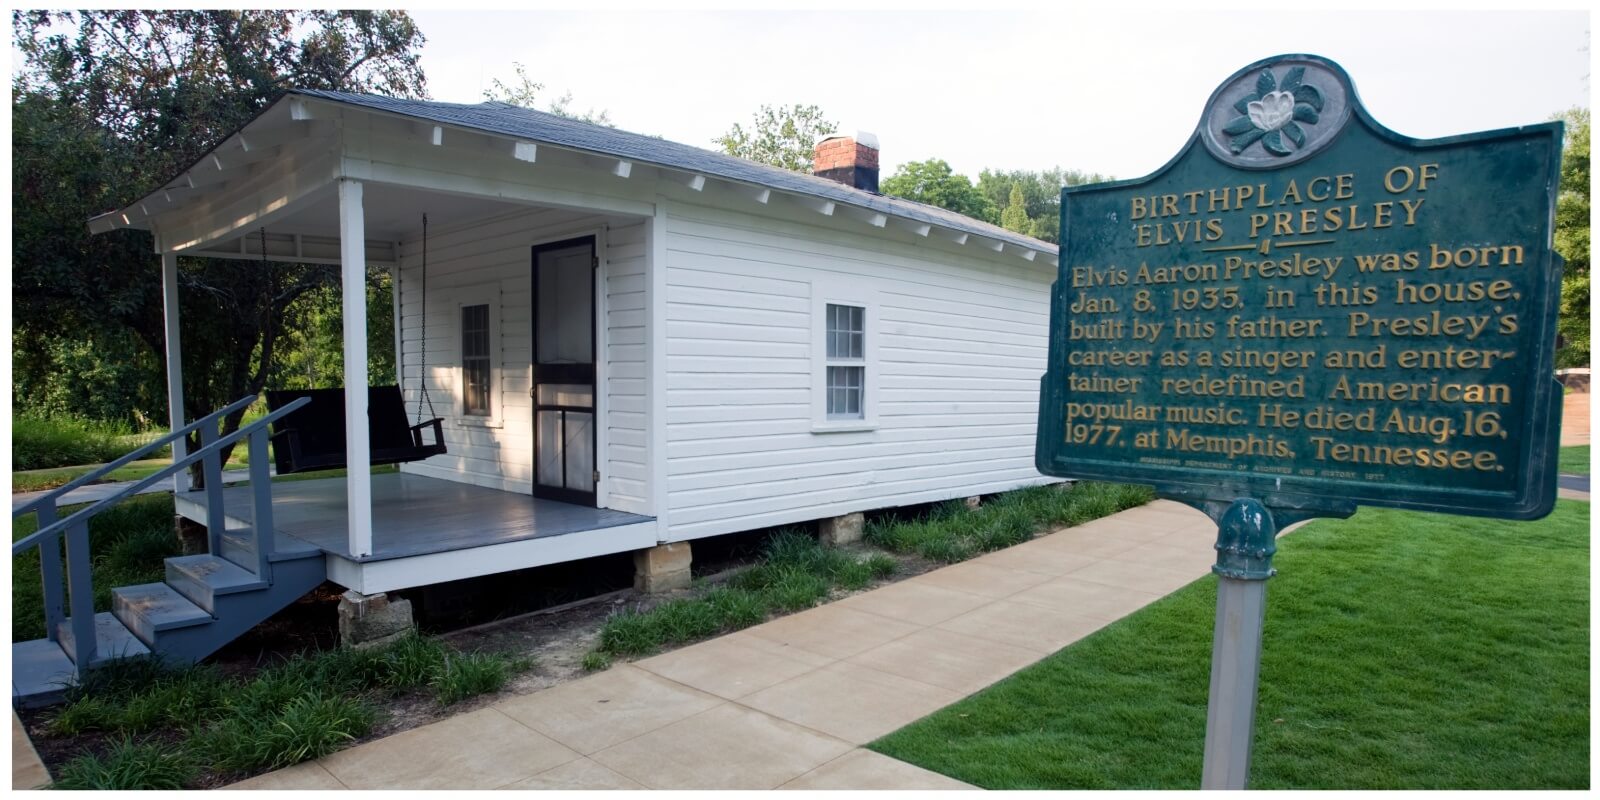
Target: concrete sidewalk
x,y
788,704
96,492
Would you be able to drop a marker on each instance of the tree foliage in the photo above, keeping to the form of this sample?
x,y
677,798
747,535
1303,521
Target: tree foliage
x,y
1041,195
1015,217
785,137
524,92
1572,240
934,183
109,105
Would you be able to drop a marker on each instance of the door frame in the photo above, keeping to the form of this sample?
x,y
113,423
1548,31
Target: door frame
x,y
596,241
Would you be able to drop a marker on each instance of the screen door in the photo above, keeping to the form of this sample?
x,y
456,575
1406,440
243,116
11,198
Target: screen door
x,y
563,371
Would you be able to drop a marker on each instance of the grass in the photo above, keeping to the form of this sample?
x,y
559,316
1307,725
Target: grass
x,y
1574,460
194,720
953,532
1402,650
42,442
42,479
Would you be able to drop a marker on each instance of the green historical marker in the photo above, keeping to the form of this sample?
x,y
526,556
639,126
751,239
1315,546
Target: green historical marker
x,y
1300,313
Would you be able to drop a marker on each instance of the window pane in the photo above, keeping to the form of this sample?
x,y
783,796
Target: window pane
x,y
475,359
845,392
845,331
562,394
565,315
549,449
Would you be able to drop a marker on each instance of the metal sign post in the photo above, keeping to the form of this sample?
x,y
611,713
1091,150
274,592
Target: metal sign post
x,y
1245,545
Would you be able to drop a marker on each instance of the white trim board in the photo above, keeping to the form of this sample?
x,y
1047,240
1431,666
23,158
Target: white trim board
x,y
404,573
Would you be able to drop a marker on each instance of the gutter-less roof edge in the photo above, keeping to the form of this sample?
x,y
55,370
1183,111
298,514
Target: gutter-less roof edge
x,y
521,123
587,137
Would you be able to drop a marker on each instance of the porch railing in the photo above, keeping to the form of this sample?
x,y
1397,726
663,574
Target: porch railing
x,y
75,528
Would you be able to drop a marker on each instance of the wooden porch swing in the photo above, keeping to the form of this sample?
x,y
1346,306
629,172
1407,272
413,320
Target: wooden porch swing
x,y
312,437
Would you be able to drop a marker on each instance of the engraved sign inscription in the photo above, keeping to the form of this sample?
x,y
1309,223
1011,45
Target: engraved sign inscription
x,y
1306,307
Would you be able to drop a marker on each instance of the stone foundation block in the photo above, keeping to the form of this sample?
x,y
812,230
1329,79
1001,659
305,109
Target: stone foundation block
x,y
662,568
842,530
372,620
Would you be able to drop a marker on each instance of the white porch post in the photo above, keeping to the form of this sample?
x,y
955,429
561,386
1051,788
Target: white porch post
x,y
357,442
169,309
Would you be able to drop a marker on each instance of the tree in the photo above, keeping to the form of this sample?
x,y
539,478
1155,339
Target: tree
x,y
785,137
1041,192
1015,217
108,105
524,92
1572,240
934,183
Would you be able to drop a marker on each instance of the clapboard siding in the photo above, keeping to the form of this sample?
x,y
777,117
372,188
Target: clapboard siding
x,y
625,470
955,354
494,255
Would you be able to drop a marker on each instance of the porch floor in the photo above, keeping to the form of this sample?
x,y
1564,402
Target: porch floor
x,y
412,515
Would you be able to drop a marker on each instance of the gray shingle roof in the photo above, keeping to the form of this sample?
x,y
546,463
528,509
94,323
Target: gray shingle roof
x,y
538,126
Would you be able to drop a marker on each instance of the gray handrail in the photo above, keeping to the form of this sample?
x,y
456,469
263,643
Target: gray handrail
x,y
22,545
105,469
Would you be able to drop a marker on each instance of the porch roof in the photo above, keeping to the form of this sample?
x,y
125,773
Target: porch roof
x,y
513,122
524,123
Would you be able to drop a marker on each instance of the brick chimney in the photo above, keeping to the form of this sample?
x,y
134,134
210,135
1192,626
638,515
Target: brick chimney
x,y
852,161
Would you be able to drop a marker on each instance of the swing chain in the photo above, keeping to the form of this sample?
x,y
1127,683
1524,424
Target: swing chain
x,y
422,368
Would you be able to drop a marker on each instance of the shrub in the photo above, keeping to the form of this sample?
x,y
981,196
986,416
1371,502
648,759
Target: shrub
x,y
128,766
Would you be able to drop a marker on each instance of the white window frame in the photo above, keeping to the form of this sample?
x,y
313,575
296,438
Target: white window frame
x,y
820,423
479,296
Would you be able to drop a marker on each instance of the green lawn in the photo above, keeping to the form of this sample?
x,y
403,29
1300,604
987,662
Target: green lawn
x,y
1575,460
1402,651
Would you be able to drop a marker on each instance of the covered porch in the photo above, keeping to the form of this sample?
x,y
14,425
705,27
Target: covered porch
x,y
427,530
511,353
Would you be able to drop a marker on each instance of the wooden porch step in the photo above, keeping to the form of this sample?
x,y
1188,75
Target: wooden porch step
x,y
150,608
40,673
240,548
113,640
204,578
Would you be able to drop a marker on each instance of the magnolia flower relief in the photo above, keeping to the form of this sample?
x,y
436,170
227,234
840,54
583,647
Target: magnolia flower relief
x,y
1273,113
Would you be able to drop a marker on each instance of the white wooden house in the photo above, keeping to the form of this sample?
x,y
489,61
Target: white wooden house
x,y
631,342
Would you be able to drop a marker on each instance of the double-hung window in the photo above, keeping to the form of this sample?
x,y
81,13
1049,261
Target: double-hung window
x,y
845,370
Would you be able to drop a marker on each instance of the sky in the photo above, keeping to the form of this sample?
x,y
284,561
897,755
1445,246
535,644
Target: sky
x,y
1112,93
